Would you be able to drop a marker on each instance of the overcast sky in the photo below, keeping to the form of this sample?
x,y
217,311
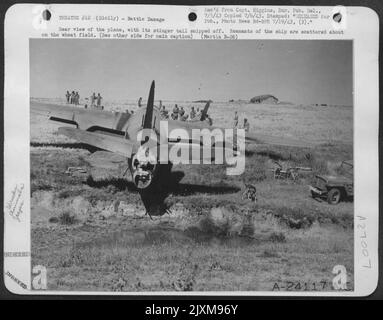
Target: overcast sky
x,y
293,70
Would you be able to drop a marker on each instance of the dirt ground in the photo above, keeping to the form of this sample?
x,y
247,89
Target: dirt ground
x,y
90,230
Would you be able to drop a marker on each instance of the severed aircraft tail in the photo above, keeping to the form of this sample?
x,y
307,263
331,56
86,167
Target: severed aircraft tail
x,y
204,111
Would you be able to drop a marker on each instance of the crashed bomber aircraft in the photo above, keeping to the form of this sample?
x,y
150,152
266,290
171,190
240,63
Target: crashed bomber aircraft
x,y
131,135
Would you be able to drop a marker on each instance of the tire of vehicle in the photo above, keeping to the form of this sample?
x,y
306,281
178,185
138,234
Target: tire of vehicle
x,y
333,196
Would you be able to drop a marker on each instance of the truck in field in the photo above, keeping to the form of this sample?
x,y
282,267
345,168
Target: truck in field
x,y
337,187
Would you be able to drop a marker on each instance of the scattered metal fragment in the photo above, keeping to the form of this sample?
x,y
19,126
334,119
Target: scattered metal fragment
x,y
287,173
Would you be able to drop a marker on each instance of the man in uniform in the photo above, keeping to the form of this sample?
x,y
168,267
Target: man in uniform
x,y
92,99
67,96
99,98
249,197
198,115
192,113
72,97
77,98
246,125
181,112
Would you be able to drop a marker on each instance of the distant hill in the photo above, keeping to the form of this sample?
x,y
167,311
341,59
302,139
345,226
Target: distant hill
x,y
286,103
264,98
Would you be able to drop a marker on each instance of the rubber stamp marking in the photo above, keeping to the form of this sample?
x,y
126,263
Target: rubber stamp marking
x,y
17,254
19,282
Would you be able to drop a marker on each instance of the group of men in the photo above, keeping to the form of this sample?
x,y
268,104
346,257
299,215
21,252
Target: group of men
x,y
179,113
72,98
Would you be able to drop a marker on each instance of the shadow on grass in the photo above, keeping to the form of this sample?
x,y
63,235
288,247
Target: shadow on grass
x,y
167,183
171,184
119,183
187,189
155,199
276,156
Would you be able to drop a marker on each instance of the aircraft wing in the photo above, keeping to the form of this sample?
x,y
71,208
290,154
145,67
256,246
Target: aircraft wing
x,y
86,119
115,144
250,138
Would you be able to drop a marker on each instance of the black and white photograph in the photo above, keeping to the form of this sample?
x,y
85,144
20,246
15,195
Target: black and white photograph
x,y
176,151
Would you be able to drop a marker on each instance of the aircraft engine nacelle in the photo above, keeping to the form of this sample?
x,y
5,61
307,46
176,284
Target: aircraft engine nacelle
x,y
143,167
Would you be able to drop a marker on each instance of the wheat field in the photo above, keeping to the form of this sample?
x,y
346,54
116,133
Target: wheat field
x,y
91,232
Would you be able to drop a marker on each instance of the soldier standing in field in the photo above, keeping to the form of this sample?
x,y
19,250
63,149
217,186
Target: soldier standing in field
x,y
192,113
72,97
99,98
164,113
249,196
199,114
92,99
77,98
235,120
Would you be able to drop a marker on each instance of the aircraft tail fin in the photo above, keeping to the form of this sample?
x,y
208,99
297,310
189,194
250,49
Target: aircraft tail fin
x,y
148,117
204,112
149,108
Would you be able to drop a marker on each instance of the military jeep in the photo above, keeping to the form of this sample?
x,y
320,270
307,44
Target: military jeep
x,y
335,188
